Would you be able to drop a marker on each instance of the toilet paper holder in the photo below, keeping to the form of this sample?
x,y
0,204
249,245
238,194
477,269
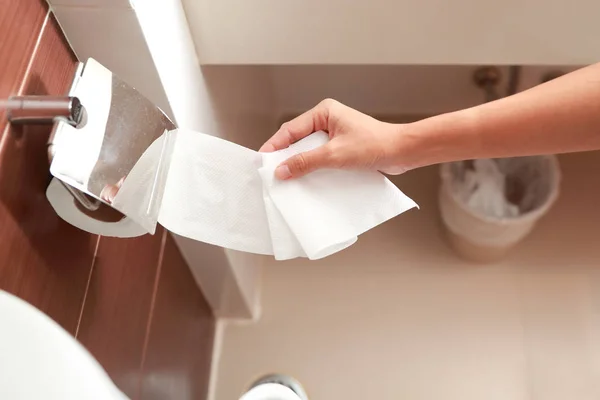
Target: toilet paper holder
x,y
35,109
101,129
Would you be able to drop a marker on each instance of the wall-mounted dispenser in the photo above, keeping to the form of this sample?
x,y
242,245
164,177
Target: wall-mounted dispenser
x,y
92,151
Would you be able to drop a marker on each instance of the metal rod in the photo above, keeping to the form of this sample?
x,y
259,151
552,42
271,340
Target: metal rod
x,y
44,109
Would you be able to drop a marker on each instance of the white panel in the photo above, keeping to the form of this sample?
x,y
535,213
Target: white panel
x,y
404,31
228,103
114,38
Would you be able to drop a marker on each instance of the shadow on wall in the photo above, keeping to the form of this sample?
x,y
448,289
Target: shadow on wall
x,y
24,173
243,103
220,286
250,102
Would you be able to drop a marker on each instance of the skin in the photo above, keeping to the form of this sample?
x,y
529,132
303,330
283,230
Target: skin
x,y
560,116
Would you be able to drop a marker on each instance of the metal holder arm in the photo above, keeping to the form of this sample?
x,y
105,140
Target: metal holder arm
x,y
21,110
44,110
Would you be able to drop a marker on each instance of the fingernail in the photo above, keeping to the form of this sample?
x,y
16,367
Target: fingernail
x,y
283,172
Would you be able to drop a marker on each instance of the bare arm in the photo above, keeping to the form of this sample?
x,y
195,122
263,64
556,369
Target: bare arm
x,y
559,116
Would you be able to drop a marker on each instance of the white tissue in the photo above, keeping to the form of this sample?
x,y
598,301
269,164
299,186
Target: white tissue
x,y
225,194
483,190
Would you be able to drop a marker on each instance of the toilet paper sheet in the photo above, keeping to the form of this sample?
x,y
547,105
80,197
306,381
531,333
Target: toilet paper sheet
x,y
225,194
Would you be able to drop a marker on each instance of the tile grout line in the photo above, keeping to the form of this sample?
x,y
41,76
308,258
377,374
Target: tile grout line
x,y
87,287
161,254
27,71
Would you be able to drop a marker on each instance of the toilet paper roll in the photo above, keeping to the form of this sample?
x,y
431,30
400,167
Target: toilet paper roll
x,y
225,194
66,207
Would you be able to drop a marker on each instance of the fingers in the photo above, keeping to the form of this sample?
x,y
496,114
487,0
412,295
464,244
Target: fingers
x,y
109,192
313,120
303,163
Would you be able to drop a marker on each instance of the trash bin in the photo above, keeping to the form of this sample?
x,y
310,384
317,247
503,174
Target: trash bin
x,y
488,206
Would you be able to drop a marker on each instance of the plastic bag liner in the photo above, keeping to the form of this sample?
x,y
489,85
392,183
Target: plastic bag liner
x,y
496,202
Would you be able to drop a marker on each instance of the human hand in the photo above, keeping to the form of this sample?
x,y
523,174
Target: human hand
x,y
357,141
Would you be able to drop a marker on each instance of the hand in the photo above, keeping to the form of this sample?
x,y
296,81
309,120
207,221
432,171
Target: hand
x,y
357,141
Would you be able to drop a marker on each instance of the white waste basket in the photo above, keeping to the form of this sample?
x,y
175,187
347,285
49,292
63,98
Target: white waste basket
x,y
488,206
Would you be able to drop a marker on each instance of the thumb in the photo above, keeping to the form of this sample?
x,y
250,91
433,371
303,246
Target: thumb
x,y
303,163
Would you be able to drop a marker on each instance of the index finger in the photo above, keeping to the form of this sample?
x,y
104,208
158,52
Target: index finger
x,y
303,125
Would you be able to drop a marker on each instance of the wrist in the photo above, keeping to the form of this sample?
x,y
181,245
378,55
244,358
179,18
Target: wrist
x,y
442,138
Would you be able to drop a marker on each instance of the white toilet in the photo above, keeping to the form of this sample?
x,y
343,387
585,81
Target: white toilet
x,y
40,360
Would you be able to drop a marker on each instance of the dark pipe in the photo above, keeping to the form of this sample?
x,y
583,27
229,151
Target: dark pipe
x,y
514,77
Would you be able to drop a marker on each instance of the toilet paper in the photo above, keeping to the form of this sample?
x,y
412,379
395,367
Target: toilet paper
x,y
224,194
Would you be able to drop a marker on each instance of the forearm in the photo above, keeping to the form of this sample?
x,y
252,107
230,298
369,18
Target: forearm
x,y
557,117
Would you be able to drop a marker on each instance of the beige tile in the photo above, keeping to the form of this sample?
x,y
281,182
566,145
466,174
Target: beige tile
x,y
561,331
399,316
383,335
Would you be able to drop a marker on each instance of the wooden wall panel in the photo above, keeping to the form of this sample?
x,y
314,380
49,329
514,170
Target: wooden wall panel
x,y
139,313
42,259
178,357
21,22
116,313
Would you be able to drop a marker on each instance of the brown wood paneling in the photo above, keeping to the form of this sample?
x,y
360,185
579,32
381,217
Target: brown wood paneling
x,y
54,64
129,318
178,356
20,26
116,313
42,259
